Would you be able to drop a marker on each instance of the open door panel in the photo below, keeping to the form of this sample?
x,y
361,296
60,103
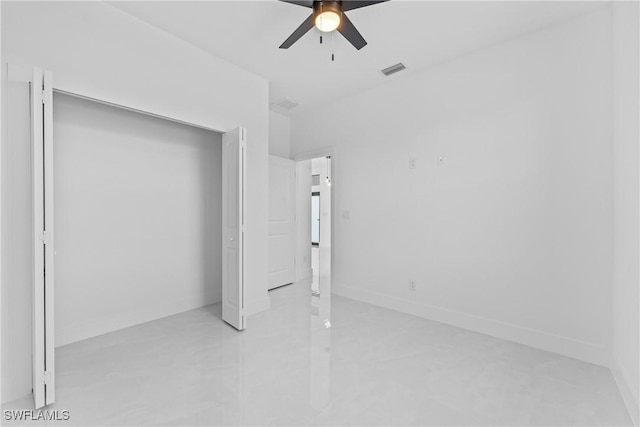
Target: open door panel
x,y
43,356
233,173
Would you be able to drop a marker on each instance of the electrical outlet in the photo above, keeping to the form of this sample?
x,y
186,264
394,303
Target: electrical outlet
x,y
412,162
412,285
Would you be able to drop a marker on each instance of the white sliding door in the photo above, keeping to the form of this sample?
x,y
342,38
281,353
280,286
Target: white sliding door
x,y
233,173
282,211
43,234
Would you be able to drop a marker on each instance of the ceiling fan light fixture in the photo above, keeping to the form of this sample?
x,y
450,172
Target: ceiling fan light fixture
x,y
327,21
328,16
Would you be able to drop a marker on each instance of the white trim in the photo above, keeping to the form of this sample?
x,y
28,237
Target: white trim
x,y
136,110
91,328
38,281
17,72
49,291
310,155
621,376
554,343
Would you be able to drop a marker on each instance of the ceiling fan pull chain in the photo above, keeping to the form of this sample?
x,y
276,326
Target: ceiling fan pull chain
x,y
333,46
320,20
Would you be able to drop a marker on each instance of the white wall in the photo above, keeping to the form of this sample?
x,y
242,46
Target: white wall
x,y
137,218
626,193
99,51
279,135
512,234
16,243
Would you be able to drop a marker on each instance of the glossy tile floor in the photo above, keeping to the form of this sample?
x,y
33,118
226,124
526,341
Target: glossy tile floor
x,y
368,366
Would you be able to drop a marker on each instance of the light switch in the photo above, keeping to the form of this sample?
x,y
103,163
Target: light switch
x,y
346,214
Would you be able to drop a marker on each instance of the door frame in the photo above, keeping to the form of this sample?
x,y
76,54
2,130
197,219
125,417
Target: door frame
x,y
331,151
316,194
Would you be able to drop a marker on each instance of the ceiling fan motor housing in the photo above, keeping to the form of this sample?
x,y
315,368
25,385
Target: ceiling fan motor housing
x,y
328,16
327,6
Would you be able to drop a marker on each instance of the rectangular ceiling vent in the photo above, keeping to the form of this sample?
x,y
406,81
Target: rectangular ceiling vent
x,y
285,104
393,69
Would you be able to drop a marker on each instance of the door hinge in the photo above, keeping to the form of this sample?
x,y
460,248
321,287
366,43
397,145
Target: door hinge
x,y
46,377
46,237
46,96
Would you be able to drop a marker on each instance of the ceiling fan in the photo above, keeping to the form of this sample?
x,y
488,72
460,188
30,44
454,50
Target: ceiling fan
x,y
327,16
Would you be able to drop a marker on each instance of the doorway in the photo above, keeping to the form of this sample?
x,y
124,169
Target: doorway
x,y
315,216
314,193
138,218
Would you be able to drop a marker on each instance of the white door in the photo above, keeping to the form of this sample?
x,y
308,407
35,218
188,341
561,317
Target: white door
x,y
233,162
282,211
43,357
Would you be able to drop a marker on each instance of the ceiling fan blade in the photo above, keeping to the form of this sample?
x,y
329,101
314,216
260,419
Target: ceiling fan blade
x,y
357,4
303,3
306,25
349,31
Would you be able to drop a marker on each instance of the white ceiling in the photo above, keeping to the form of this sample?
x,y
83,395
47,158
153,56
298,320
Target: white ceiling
x,y
419,34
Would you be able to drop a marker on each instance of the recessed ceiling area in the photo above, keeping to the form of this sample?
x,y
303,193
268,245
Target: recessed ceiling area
x,y
419,34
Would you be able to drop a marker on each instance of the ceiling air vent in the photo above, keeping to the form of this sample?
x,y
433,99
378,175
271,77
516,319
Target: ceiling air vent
x,y
393,69
285,104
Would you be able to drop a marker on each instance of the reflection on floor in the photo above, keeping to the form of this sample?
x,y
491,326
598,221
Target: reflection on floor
x,y
315,269
372,366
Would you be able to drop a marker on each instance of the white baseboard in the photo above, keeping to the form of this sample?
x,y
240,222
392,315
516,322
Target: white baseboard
x,y
92,328
554,343
89,329
631,398
18,399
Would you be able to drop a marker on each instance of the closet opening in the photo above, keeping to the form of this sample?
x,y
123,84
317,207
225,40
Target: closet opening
x,y
138,218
